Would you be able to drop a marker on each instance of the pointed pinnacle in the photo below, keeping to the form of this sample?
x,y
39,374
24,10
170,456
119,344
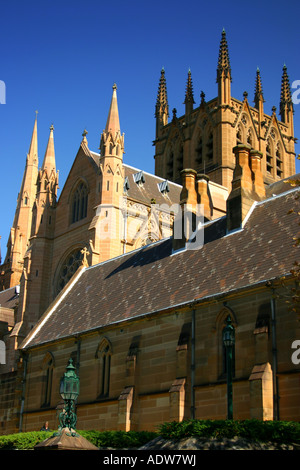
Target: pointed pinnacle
x,y
113,122
33,148
189,95
223,61
49,158
258,93
162,98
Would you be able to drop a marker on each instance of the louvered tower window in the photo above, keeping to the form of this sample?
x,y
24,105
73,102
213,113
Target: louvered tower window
x,y
279,163
269,158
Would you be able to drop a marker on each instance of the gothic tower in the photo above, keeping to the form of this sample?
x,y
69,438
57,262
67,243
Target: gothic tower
x,y
203,138
12,268
112,180
36,278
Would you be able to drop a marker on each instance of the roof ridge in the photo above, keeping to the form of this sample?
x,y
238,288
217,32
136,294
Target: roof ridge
x,y
129,253
151,174
275,196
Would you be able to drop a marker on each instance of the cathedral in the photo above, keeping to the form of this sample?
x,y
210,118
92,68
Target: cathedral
x,y
122,274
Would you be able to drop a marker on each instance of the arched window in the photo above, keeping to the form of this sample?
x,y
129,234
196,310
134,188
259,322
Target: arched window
x,y
199,151
68,268
47,367
279,162
210,146
79,203
269,157
169,165
103,354
250,138
179,162
239,136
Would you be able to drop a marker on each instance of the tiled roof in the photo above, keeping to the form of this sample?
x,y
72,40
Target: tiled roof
x,y
153,279
150,188
9,298
281,186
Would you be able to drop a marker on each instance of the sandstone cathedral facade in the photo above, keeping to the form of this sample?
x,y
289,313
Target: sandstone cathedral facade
x,y
98,275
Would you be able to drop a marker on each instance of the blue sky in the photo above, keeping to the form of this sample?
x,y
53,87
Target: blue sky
x,y
62,58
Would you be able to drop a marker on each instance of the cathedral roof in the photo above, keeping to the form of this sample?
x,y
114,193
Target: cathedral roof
x,y
9,298
150,188
155,279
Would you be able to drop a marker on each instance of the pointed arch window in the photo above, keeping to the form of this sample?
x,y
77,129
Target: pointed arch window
x,y
68,268
199,150
47,367
179,163
239,137
169,165
79,203
279,162
210,146
104,353
250,138
26,199
269,157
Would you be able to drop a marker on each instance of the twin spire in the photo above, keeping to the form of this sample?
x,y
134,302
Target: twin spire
x,y
33,148
49,158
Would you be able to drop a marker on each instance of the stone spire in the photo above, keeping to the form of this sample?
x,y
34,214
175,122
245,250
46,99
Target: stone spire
x,y
21,228
113,121
48,176
189,95
223,62
286,104
112,142
32,155
258,93
162,107
49,158
224,73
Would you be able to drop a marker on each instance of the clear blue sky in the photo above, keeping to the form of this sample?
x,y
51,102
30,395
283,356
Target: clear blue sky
x,y
62,58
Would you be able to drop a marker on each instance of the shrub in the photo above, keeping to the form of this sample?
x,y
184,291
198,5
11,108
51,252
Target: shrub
x,y
114,439
282,432
275,431
23,441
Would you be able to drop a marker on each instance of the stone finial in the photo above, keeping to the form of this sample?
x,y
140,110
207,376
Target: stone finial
x,y
85,252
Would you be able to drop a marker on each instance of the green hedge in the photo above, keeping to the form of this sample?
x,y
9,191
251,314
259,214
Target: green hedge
x,y
114,439
275,431
282,432
23,440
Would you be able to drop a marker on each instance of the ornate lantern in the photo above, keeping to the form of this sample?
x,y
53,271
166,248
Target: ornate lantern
x,y
229,342
69,391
